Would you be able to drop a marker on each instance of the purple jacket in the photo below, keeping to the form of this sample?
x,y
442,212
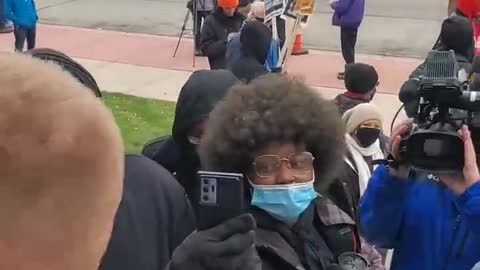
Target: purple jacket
x,y
348,13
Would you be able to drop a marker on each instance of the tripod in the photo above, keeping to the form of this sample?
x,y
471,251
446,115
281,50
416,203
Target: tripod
x,y
184,27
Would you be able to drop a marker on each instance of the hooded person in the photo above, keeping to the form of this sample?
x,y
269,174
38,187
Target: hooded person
x,y
361,81
224,21
61,169
154,216
234,48
457,35
468,9
198,97
255,44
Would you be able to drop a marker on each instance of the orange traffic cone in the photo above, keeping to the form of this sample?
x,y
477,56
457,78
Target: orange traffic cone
x,y
298,46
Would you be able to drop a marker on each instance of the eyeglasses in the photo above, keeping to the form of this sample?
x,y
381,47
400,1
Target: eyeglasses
x,y
269,165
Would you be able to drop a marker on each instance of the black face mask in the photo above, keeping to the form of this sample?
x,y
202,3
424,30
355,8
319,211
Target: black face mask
x,y
367,136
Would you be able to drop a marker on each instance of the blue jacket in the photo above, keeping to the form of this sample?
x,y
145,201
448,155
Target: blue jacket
x,y
21,12
273,56
428,226
348,13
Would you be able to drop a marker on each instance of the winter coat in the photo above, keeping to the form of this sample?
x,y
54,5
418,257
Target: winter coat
x,y
198,97
255,45
234,53
164,151
215,30
153,218
428,226
345,190
345,102
21,12
348,13
322,233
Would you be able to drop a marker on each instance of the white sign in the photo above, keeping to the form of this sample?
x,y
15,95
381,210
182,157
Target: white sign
x,y
273,8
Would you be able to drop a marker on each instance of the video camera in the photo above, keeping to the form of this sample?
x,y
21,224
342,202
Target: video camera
x,y
445,105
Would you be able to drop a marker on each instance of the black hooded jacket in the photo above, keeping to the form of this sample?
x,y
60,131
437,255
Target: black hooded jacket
x,y
215,32
255,44
456,35
198,97
153,218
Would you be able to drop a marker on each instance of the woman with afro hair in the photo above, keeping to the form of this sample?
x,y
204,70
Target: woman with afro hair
x,y
288,142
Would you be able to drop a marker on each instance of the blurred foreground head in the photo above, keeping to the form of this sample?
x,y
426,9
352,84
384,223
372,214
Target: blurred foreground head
x,y
61,169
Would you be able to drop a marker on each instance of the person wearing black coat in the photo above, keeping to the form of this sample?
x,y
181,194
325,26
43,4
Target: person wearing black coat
x,y
457,35
223,21
361,81
255,44
198,97
153,218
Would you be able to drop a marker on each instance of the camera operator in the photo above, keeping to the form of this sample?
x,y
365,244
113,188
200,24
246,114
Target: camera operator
x,y
457,35
200,10
431,224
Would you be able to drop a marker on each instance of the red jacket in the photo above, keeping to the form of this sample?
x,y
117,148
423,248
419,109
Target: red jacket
x,y
469,7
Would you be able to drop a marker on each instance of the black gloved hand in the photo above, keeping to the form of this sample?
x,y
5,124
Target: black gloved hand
x,y
228,246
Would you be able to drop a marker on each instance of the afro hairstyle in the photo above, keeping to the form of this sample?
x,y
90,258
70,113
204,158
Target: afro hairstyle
x,y
273,109
61,168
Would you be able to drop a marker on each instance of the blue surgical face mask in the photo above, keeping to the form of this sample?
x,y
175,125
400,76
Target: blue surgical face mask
x,y
284,202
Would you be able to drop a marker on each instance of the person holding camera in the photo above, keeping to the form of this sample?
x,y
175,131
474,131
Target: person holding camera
x,y
430,223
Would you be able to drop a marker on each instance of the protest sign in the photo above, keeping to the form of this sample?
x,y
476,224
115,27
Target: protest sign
x,y
273,8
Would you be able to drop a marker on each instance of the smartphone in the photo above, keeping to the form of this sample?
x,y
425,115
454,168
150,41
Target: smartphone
x,y
220,198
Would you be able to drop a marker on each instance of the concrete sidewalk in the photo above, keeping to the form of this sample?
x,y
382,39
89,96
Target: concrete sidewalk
x,y
143,65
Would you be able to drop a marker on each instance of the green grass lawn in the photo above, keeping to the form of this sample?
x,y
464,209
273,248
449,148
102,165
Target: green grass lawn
x,y
140,119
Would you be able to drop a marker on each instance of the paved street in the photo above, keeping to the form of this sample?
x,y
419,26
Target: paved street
x,y
391,27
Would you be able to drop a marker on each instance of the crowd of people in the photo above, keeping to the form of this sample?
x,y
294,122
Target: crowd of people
x,y
323,186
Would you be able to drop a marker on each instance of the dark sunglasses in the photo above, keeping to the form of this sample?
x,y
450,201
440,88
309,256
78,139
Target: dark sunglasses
x,y
269,165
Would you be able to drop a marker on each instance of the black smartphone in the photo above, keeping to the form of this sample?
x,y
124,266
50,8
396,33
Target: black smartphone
x,y
220,198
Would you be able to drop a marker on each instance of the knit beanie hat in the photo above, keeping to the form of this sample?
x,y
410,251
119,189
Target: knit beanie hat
x,y
228,3
360,78
359,114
